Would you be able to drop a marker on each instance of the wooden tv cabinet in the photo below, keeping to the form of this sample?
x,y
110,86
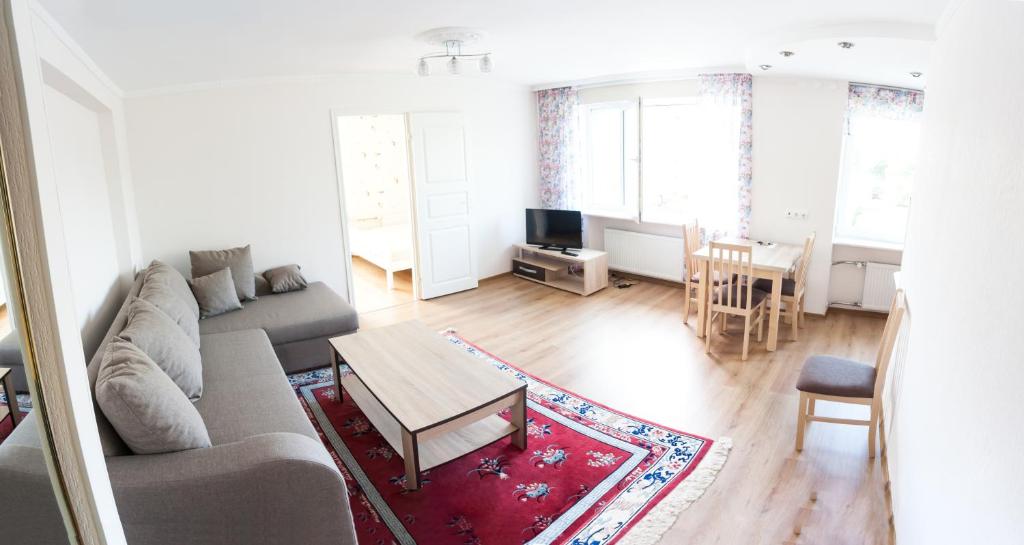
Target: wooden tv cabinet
x,y
583,274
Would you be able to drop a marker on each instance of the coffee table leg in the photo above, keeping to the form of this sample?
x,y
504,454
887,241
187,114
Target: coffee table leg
x,y
411,457
519,420
337,375
12,400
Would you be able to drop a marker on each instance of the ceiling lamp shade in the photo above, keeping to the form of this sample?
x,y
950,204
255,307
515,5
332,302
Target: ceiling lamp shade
x,y
453,39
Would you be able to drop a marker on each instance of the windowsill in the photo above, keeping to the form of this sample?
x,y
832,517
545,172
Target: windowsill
x,y
611,216
869,244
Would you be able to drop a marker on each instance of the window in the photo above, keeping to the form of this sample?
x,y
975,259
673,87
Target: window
x,y
879,162
674,162
610,166
689,162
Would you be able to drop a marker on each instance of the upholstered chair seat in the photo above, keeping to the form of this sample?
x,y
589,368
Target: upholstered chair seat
x,y
832,376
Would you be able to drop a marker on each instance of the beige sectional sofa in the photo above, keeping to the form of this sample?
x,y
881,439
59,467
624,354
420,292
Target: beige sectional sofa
x,y
266,479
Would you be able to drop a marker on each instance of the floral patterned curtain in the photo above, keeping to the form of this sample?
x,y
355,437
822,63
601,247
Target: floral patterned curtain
x,y
884,102
731,99
556,119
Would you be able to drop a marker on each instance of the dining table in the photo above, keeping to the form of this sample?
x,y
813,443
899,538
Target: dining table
x,y
770,260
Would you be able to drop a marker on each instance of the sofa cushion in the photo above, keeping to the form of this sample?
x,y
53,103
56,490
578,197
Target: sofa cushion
x,y
285,279
239,260
316,311
247,392
149,411
166,344
165,299
215,293
162,273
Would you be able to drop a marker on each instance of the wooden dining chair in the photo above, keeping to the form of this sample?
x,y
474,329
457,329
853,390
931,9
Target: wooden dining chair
x,y
828,378
793,289
733,266
691,243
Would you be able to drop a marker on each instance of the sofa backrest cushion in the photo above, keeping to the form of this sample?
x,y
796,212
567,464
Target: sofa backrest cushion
x,y
168,301
161,273
165,343
148,410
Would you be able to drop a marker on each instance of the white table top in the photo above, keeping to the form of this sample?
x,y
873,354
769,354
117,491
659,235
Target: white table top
x,y
774,256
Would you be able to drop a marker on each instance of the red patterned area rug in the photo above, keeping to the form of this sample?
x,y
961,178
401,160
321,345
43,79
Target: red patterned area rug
x,y
590,475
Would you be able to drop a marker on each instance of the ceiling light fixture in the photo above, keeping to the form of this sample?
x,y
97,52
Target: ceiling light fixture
x,y
786,53
845,45
454,39
916,74
765,67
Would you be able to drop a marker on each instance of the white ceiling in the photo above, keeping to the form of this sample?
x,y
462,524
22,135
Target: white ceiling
x,y
149,44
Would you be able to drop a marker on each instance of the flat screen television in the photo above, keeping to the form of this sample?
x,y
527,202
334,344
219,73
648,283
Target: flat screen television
x,y
554,229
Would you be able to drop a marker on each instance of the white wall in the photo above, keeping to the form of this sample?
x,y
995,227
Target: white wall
x,y
77,149
85,153
798,135
254,163
956,451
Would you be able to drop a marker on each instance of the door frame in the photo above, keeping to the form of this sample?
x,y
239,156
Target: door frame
x,y
343,206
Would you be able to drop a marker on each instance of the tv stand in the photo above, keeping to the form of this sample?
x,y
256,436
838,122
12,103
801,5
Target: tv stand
x,y
583,273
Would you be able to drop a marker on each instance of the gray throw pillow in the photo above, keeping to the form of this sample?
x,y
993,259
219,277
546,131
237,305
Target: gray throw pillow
x,y
170,304
159,272
239,260
287,278
149,412
156,334
262,286
215,293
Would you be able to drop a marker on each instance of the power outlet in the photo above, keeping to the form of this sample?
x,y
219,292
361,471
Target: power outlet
x,y
796,214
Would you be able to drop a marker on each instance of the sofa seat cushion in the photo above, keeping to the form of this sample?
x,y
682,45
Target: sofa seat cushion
x,y
316,311
245,391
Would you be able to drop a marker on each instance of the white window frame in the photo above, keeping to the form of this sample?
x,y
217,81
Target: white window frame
x,y
842,233
644,103
630,208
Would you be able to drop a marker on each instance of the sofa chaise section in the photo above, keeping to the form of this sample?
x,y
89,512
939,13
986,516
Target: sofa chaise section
x,y
298,323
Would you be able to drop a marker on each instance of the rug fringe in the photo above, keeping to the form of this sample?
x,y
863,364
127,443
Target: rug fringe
x,y
650,529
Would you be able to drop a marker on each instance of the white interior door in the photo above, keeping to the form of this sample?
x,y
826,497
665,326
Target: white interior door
x,y
443,204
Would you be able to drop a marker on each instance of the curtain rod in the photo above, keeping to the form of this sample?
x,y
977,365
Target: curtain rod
x,y
893,87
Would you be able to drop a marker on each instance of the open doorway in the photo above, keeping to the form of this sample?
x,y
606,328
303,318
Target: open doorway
x,y
374,159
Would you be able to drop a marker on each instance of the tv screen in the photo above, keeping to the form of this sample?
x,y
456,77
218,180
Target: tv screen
x,y
554,228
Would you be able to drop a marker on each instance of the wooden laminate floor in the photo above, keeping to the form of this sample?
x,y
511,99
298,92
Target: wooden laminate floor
x,y
371,288
628,348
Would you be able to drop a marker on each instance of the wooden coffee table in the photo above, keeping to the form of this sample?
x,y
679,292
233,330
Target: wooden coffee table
x,y
432,401
12,397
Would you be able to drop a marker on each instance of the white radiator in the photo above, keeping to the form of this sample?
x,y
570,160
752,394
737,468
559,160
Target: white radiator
x,y
879,286
655,256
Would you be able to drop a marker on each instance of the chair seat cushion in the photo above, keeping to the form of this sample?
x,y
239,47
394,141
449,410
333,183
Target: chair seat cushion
x,y
788,286
829,375
740,293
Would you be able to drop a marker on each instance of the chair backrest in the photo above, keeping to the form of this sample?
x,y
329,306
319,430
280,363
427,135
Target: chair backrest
x,y
691,243
804,264
889,336
733,266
